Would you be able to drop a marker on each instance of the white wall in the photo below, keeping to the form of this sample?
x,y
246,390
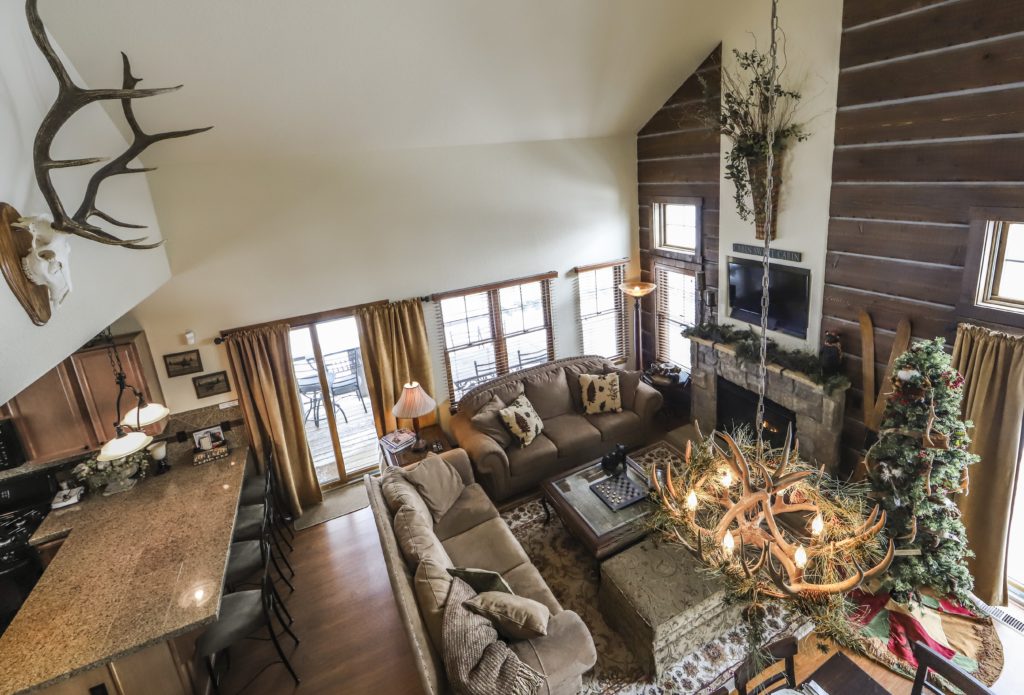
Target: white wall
x,y
812,32
252,243
107,281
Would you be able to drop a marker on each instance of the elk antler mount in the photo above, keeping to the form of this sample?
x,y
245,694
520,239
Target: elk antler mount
x,y
34,249
759,532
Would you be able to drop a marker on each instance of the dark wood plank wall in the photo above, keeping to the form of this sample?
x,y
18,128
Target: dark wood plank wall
x,y
930,123
678,155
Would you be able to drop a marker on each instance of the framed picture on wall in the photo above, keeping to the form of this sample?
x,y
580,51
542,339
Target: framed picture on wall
x,y
182,363
211,384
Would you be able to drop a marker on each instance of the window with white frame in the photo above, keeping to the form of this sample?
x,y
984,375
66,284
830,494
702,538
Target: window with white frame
x,y
494,330
1001,281
675,224
602,318
676,309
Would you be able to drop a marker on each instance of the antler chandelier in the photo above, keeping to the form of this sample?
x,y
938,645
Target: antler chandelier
x,y
768,523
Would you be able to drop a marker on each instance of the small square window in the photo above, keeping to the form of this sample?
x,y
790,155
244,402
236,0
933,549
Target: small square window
x,y
1001,280
676,225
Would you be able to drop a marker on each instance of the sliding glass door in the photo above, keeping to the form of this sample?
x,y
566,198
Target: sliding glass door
x,y
337,419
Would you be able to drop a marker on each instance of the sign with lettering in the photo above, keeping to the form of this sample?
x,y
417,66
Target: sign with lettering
x,y
778,254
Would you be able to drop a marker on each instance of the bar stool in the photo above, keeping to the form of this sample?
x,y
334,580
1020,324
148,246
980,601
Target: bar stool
x,y
246,558
254,523
243,615
254,492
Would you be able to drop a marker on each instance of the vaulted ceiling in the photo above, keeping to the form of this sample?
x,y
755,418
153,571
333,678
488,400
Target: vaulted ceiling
x,y
303,79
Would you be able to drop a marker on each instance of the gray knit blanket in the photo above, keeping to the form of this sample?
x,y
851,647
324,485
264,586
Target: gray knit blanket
x,y
477,662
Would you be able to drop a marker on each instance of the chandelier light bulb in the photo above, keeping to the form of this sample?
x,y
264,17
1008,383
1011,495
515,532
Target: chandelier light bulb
x,y
728,544
691,501
726,477
817,524
800,557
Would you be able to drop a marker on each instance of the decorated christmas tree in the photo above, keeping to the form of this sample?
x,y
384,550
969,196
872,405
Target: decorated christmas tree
x,y
918,463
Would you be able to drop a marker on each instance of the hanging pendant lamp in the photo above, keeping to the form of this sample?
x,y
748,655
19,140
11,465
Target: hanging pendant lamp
x,y
127,439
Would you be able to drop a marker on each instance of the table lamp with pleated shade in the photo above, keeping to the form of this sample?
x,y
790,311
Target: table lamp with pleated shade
x,y
413,404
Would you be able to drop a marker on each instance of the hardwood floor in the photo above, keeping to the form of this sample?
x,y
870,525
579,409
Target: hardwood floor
x,y
345,616
353,640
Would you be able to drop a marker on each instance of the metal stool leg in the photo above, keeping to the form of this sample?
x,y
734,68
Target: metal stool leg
x,y
280,652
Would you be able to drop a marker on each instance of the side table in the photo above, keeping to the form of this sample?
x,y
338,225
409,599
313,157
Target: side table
x,y
437,441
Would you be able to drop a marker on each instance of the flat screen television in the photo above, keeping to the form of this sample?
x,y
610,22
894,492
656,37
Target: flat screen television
x,y
788,295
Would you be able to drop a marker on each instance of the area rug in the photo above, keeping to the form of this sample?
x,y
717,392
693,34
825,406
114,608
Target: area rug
x,y
573,576
338,502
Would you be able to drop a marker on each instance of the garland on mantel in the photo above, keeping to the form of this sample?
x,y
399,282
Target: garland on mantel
x,y
747,344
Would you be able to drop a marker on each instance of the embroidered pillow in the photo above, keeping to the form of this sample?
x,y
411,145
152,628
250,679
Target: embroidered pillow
x,y
522,420
600,393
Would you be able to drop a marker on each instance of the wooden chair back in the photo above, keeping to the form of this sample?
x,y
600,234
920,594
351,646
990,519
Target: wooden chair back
x,y
785,649
930,660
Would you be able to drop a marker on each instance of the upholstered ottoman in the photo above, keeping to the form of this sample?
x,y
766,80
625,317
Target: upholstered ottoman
x,y
656,597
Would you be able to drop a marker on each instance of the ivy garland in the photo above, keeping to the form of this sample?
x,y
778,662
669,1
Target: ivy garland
x,y
748,350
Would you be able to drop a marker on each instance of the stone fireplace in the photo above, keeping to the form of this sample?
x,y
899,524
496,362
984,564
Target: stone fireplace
x,y
817,416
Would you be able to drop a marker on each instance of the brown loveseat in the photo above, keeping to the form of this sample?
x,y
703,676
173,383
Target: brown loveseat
x,y
469,534
569,439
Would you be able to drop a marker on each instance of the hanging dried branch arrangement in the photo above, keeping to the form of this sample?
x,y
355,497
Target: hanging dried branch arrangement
x,y
773,528
753,103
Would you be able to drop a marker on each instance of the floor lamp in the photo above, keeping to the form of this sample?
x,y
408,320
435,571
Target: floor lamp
x,y
637,290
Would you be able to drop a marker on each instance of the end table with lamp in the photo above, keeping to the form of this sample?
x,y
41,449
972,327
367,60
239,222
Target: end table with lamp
x,y
413,404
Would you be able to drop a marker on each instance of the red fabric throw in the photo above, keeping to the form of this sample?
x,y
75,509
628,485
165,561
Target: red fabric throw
x,y
904,630
889,629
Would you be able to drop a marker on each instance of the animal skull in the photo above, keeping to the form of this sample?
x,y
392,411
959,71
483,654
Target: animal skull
x,y
46,264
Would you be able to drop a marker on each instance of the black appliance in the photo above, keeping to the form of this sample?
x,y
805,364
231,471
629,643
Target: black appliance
x,y
12,453
24,502
788,295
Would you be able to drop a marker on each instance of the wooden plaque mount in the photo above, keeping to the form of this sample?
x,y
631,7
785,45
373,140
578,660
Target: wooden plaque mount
x,y
14,245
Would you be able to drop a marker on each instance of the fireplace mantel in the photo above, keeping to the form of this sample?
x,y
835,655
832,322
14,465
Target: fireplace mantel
x,y
819,414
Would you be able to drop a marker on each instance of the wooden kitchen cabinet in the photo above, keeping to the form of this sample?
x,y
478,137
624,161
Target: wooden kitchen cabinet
x,y
96,378
72,408
48,417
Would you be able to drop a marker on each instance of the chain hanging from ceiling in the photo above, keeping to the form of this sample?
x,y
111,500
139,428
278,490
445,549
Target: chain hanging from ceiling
x,y
772,97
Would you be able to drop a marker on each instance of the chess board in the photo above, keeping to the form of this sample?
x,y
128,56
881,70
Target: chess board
x,y
618,492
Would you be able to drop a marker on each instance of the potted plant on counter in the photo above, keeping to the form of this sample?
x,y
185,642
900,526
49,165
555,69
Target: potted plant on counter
x,y
114,476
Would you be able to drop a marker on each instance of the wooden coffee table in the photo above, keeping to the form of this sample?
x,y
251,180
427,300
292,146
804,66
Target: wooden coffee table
x,y
602,531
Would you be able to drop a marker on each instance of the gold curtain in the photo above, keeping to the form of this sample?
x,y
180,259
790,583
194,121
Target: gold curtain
x,y
393,338
261,362
992,365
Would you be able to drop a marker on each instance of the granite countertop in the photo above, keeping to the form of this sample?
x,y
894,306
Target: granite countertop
x,y
33,468
135,569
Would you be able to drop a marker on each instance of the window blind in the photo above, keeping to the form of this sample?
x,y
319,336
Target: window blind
x,y
676,310
602,310
491,332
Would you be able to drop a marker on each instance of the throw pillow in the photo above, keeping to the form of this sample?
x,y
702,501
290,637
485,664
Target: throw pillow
x,y
488,420
432,584
481,580
522,420
476,661
416,537
399,492
629,382
600,393
438,483
515,617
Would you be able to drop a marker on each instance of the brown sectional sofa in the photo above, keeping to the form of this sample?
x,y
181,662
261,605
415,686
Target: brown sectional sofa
x,y
570,437
470,534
